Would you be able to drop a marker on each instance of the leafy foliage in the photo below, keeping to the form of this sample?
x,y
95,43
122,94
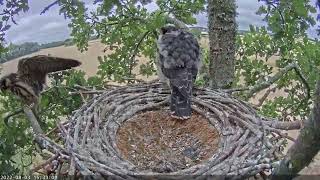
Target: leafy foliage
x,y
286,40
129,28
12,8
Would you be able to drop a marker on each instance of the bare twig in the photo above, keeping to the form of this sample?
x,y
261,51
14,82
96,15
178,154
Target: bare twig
x,y
87,92
7,117
135,51
265,96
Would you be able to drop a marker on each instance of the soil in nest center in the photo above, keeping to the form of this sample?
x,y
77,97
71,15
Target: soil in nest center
x,y
155,141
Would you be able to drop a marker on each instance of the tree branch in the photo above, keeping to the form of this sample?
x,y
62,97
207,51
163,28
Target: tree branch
x,y
258,87
33,120
283,125
135,51
306,146
8,116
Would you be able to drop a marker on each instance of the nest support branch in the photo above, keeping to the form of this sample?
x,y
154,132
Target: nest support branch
x,y
249,143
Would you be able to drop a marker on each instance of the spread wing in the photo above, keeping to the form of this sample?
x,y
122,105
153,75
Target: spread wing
x,y
37,67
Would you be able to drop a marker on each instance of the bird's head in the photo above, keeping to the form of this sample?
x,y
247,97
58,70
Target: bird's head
x,y
169,29
7,81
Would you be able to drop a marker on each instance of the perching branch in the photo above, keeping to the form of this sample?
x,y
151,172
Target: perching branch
x,y
33,120
306,146
258,87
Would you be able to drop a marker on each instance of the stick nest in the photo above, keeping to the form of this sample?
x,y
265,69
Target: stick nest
x,y
246,144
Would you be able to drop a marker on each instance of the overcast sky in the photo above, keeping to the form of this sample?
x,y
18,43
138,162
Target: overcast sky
x,y
33,27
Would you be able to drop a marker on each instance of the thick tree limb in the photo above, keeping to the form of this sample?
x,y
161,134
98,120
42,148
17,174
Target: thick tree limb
x,y
306,146
33,120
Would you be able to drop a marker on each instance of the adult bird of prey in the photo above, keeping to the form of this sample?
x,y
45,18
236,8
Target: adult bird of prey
x,y
30,78
178,61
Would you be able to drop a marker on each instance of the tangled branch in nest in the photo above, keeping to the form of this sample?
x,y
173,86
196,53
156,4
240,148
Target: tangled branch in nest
x,y
249,143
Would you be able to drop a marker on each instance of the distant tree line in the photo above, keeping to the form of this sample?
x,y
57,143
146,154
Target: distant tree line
x,y
16,51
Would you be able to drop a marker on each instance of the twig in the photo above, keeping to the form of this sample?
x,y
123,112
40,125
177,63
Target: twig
x,y
7,117
258,87
135,51
56,128
236,89
87,92
264,97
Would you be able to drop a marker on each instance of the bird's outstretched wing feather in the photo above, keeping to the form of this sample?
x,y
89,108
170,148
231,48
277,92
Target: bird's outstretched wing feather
x,y
36,67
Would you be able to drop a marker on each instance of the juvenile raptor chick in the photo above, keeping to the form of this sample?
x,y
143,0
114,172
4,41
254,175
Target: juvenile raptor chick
x,y
179,61
30,78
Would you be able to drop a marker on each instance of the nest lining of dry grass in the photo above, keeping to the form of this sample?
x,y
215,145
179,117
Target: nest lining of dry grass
x,y
155,141
249,144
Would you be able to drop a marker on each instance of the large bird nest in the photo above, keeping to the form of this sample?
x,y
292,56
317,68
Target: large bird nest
x,y
249,144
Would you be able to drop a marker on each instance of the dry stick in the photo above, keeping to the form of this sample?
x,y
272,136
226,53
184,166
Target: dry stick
x,y
88,92
280,133
305,147
56,128
247,125
264,97
283,125
72,169
88,123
